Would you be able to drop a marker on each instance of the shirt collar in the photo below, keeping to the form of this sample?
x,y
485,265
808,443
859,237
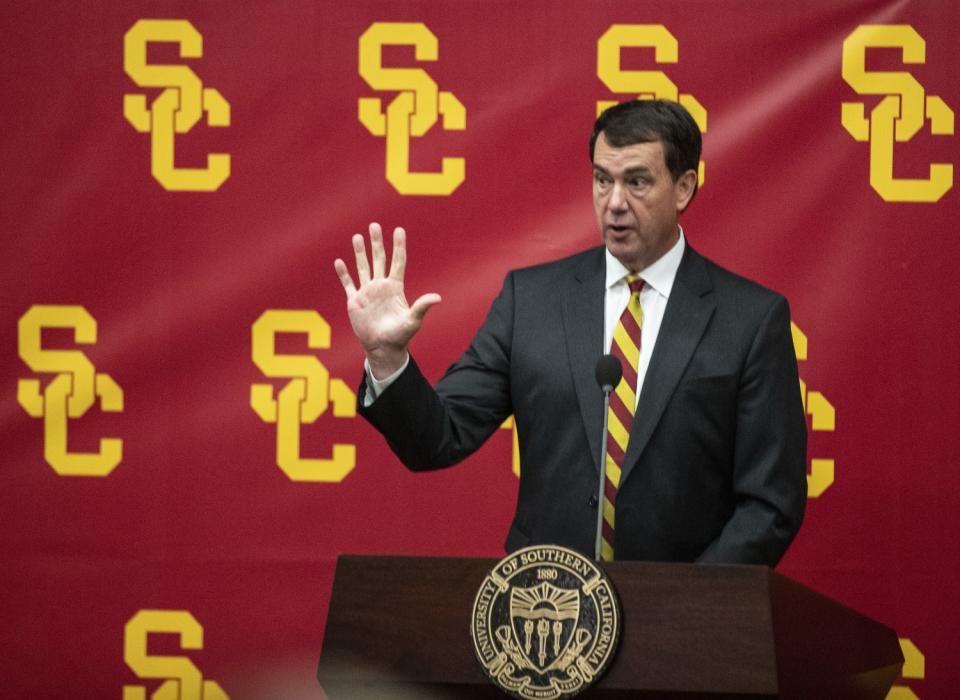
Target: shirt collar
x,y
660,275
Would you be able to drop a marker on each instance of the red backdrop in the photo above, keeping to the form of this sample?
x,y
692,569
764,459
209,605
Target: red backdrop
x,y
128,255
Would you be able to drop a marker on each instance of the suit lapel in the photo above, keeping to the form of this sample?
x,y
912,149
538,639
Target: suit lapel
x,y
582,304
688,311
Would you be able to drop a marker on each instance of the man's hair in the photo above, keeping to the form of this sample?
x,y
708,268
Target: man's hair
x,y
646,121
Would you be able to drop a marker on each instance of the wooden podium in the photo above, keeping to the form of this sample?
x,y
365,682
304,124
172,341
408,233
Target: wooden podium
x,y
399,627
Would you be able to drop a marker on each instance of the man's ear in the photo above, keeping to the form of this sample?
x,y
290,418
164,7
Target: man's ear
x,y
686,186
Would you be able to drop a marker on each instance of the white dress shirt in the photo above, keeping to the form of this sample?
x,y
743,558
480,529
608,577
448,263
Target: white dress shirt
x,y
658,279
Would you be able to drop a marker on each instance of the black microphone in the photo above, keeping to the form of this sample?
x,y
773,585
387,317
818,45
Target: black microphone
x,y
608,373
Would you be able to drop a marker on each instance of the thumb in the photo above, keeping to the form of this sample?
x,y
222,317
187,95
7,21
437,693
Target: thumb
x,y
422,305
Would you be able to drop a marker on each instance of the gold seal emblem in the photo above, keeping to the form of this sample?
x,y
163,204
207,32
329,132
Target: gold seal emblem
x,y
545,624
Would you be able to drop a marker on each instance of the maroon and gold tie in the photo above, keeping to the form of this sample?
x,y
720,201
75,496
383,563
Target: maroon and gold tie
x,y
623,401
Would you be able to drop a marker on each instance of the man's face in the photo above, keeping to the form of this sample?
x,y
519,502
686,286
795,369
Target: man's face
x,y
636,201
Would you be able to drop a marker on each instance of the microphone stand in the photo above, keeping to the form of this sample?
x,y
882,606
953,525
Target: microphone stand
x,y
607,388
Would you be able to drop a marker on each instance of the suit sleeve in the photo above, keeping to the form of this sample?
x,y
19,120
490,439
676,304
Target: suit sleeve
x,y
431,428
769,468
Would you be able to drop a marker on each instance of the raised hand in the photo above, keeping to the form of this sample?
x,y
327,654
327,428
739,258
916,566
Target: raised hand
x,y
381,318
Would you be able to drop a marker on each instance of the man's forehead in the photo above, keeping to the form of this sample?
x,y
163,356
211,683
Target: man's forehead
x,y
648,155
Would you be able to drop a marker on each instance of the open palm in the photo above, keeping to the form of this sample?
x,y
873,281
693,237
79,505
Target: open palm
x,y
382,319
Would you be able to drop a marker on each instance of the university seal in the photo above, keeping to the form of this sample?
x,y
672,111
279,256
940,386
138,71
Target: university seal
x,y
545,623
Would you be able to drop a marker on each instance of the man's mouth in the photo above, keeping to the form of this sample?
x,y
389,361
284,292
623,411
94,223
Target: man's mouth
x,y
618,230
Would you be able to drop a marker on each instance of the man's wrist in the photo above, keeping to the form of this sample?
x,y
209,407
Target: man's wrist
x,y
375,386
382,365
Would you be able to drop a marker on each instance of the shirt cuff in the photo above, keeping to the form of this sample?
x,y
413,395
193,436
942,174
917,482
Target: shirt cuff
x,y
375,386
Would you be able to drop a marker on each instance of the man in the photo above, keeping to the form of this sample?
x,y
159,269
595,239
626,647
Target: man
x,y
713,468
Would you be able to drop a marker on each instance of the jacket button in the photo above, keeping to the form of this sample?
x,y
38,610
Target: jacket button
x,y
593,502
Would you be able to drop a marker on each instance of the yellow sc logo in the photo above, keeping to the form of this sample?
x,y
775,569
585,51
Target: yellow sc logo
x,y
71,393
511,425
644,83
304,398
914,668
898,116
822,418
183,679
177,108
413,111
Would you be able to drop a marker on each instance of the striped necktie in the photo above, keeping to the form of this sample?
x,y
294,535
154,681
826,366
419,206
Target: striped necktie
x,y
623,401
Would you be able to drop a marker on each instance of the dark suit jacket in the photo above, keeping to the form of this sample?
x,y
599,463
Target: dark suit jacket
x,y
716,463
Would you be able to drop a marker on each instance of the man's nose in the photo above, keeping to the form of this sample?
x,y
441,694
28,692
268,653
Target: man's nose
x,y
618,198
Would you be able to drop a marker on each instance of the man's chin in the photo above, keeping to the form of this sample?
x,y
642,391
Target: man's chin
x,y
628,256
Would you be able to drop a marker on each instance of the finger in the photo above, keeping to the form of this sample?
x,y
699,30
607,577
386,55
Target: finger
x,y
422,305
376,250
344,274
398,263
360,253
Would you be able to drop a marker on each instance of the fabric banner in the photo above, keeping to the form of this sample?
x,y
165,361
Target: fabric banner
x,y
182,458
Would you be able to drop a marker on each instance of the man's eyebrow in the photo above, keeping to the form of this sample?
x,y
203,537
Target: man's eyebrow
x,y
637,170
628,173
